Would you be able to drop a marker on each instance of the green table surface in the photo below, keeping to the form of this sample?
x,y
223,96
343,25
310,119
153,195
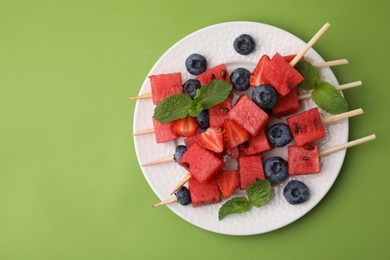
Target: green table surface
x,y
70,183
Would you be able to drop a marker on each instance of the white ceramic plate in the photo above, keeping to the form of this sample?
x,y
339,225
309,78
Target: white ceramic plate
x,y
216,44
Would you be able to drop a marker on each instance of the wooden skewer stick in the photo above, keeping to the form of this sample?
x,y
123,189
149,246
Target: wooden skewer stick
x,y
159,161
310,44
347,145
330,63
182,182
165,202
144,96
321,153
144,132
341,87
337,117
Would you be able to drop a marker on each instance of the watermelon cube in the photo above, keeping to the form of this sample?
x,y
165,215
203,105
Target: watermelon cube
x,y
204,193
287,105
306,127
250,168
256,144
165,85
200,162
219,72
289,58
303,159
219,113
247,114
163,132
190,140
281,75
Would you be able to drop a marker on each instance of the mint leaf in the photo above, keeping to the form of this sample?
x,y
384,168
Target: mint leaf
x,y
259,192
311,77
213,93
234,206
329,99
173,107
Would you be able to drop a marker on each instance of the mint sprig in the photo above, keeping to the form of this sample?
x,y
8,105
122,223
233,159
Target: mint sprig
x,y
181,105
259,193
329,99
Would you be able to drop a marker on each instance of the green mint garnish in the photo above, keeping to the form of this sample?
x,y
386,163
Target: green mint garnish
x,y
181,105
259,192
329,99
311,77
234,206
213,93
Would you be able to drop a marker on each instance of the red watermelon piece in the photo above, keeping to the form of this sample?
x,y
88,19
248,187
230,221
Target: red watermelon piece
x,y
200,162
306,127
303,159
165,85
219,113
218,72
190,140
287,105
247,114
289,58
256,144
228,182
163,132
250,168
204,193
281,75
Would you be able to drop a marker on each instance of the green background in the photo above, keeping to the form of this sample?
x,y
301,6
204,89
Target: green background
x,y
70,184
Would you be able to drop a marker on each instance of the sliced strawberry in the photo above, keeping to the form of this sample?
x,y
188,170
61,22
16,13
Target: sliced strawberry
x,y
228,182
256,78
234,134
185,127
212,139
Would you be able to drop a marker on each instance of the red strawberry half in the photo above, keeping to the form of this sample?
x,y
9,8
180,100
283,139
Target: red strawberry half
x,y
185,127
234,134
228,181
256,78
212,139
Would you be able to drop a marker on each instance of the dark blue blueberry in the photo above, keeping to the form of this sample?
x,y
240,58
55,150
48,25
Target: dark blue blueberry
x,y
244,44
179,151
240,79
279,134
183,196
276,169
190,87
203,120
265,97
196,64
296,192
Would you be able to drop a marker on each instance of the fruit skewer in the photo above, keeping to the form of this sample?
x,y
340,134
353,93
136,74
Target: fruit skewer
x,y
320,154
300,97
317,65
323,121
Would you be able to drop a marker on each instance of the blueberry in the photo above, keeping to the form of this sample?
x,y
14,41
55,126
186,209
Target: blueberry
x,y
265,97
296,192
183,196
190,87
203,120
279,134
179,151
196,64
276,169
240,79
244,44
